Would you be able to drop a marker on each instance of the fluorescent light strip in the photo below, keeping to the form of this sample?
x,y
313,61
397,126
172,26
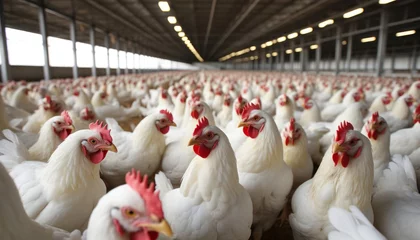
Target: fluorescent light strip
x,y
326,23
353,13
289,51
386,1
405,33
313,46
164,6
281,39
178,28
368,39
172,19
252,48
306,30
292,35
181,34
298,49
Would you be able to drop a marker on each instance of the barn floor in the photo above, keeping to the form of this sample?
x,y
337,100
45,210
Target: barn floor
x,y
275,233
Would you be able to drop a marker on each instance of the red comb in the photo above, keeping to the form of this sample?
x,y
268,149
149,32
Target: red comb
x,y
168,114
66,117
240,98
292,124
102,129
147,192
342,130
417,111
202,123
375,116
248,109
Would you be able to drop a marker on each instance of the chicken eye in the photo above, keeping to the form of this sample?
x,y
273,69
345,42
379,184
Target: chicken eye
x,y
92,141
130,213
162,120
353,142
58,123
256,118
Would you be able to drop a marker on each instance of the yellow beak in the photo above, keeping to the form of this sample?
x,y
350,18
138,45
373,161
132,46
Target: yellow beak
x,y
193,141
338,148
70,127
172,124
242,124
162,227
111,148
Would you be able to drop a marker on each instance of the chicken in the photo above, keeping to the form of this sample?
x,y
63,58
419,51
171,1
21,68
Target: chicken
x,y
225,115
15,223
284,111
179,108
52,134
142,149
310,113
331,111
177,156
380,103
396,201
210,204
351,225
20,99
4,121
260,161
130,211
400,115
48,109
295,152
235,134
82,101
377,130
344,178
82,119
407,140
63,192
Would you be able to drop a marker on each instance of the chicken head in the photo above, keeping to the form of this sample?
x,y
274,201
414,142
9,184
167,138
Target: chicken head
x,y
95,149
204,139
164,121
347,144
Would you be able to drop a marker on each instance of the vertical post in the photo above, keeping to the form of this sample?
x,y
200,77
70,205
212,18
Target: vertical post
x,y
414,62
349,50
5,67
126,57
366,61
392,61
338,50
383,34
318,53
108,70
134,58
92,43
43,30
73,40
270,61
276,65
118,55
282,58
292,56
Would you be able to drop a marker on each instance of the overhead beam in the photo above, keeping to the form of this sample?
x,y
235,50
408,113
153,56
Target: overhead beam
x,y
5,67
210,23
233,26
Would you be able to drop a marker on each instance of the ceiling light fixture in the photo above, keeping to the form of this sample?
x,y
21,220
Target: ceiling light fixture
x,y
281,39
368,39
263,45
269,43
313,46
268,55
172,19
178,28
298,49
252,48
385,1
306,30
405,33
326,23
353,13
274,54
181,34
289,51
292,35
164,6
184,38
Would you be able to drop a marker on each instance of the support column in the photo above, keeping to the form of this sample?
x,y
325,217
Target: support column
x,y
276,64
126,57
44,34
108,69
270,61
383,34
349,52
117,46
292,56
414,62
73,40
337,50
392,61
318,53
5,67
282,58
92,43
134,59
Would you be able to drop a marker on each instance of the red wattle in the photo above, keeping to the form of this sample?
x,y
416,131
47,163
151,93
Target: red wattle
x,y
251,132
335,158
202,150
98,156
164,130
195,114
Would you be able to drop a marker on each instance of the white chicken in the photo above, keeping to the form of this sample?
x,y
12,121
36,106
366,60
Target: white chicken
x,y
407,140
400,115
260,160
20,99
210,193
310,113
225,115
344,178
284,111
396,201
15,223
130,211
141,149
63,192
295,152
48,109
